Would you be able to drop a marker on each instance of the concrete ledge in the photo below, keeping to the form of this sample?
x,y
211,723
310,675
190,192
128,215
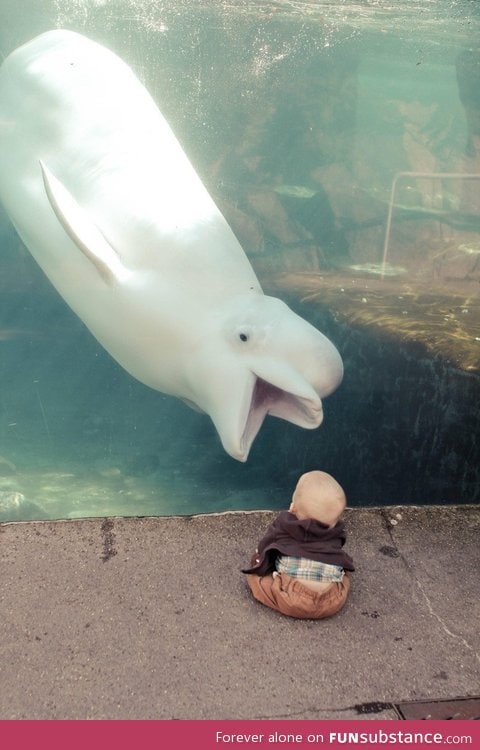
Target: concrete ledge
x,y
151,619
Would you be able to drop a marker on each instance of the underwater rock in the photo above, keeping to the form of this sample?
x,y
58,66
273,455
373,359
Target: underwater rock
x,y
310,210
295,191
459,262
267,206
378,269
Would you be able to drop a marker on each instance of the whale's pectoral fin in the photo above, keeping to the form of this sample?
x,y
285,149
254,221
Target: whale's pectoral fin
x,y
82,230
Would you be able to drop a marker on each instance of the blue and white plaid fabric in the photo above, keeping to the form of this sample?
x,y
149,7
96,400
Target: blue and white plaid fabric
x,y
301,567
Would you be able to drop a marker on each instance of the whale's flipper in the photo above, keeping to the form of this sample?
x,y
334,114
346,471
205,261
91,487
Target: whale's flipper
x,y
82,230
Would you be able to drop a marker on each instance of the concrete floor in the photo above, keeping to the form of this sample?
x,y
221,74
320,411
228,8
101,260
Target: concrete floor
x,y
151,619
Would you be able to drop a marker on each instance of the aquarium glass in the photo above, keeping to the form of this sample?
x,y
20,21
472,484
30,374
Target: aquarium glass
x,y
341,141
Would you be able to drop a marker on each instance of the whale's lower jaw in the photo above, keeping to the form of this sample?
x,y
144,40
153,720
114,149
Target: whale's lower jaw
x,y
269,399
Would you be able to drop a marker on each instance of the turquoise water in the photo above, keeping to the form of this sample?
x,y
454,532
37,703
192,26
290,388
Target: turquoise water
x,y
301,118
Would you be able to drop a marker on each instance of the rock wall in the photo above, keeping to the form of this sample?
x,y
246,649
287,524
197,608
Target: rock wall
x,y
403,426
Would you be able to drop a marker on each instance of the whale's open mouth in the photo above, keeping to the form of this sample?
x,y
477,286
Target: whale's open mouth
x,y
266,398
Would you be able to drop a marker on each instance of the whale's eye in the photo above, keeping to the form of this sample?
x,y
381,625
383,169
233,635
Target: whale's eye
x,y
244,334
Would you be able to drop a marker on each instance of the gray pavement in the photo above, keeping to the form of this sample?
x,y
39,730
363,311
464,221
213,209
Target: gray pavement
x,y
151,619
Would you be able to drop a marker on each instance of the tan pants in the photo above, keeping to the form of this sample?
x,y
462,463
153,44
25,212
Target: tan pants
x,y
290,597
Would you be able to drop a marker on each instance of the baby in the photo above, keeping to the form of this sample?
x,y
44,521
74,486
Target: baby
x,y
299,567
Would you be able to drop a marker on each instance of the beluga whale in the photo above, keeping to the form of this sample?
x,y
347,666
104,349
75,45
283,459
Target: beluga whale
x,y
107,202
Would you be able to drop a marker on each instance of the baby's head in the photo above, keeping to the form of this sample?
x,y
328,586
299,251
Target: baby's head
x,y
319,496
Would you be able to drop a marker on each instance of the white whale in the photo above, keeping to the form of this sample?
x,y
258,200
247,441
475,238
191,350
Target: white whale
x,y
103,196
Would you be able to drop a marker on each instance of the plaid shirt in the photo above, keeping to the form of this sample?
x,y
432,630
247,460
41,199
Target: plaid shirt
x,y
302,567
